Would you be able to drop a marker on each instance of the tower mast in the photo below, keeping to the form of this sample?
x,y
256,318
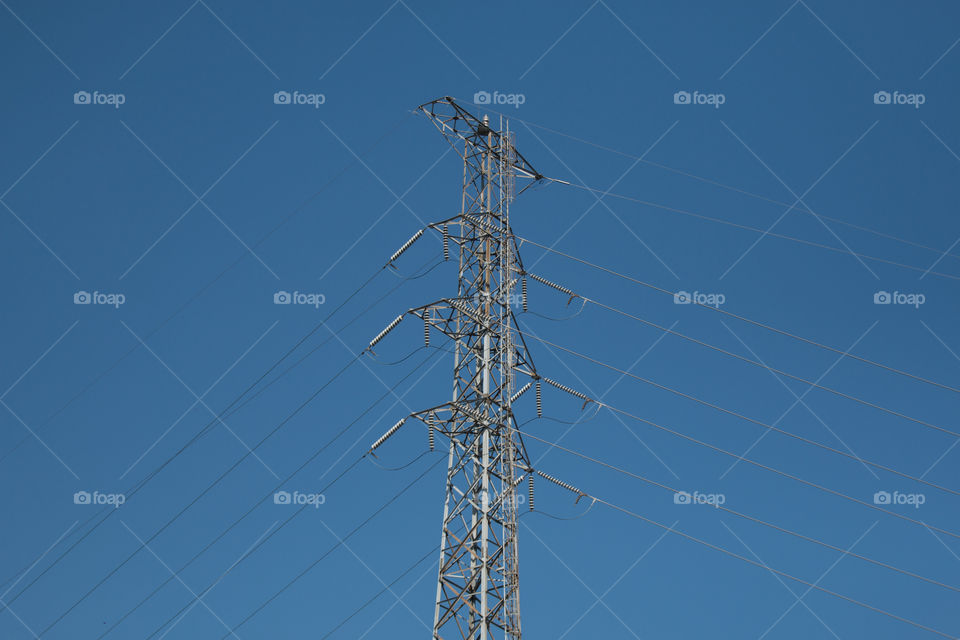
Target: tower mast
x,y
478,579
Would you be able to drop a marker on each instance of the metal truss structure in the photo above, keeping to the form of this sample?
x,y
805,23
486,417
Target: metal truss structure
x,y
478,579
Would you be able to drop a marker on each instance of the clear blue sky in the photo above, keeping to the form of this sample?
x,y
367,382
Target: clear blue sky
x,y
193,195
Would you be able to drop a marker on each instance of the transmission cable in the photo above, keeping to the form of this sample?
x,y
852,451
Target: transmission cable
x,y
735,414
203,289
218,418
196,499
336,546
756,323
760,364
230,410
728,187
302,466
743,515
759,465
380,593
755,563
765,232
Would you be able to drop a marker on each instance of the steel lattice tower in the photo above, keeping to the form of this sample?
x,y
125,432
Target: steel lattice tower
x,y
478,582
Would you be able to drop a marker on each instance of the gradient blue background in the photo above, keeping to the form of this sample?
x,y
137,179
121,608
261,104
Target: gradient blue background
x,y
299,198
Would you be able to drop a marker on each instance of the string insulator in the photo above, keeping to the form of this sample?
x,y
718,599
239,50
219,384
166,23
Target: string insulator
x,y
460,306
389,433
523,294
482,224
446,243
561,483
572,392
383,334
426,332
430,430
539,400
406,245
553,284
519,393
469,412
530,491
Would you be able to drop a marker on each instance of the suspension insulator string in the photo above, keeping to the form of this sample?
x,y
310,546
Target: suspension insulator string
x,y
426,331
539,400
530,491
430,430
446,243
523,295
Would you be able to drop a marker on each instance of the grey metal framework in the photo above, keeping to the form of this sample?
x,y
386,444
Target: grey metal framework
x,y
478,580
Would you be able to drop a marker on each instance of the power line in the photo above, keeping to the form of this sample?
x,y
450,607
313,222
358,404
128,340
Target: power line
x,y
245,402
756,323
198,497
336,546
759,465
769,427
755,563
745,516
380,593
390,131
225,473
266,496
219,417
712,347
765,232
732,188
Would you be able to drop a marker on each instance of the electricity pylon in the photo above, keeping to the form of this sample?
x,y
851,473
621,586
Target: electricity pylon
x,y
478,580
